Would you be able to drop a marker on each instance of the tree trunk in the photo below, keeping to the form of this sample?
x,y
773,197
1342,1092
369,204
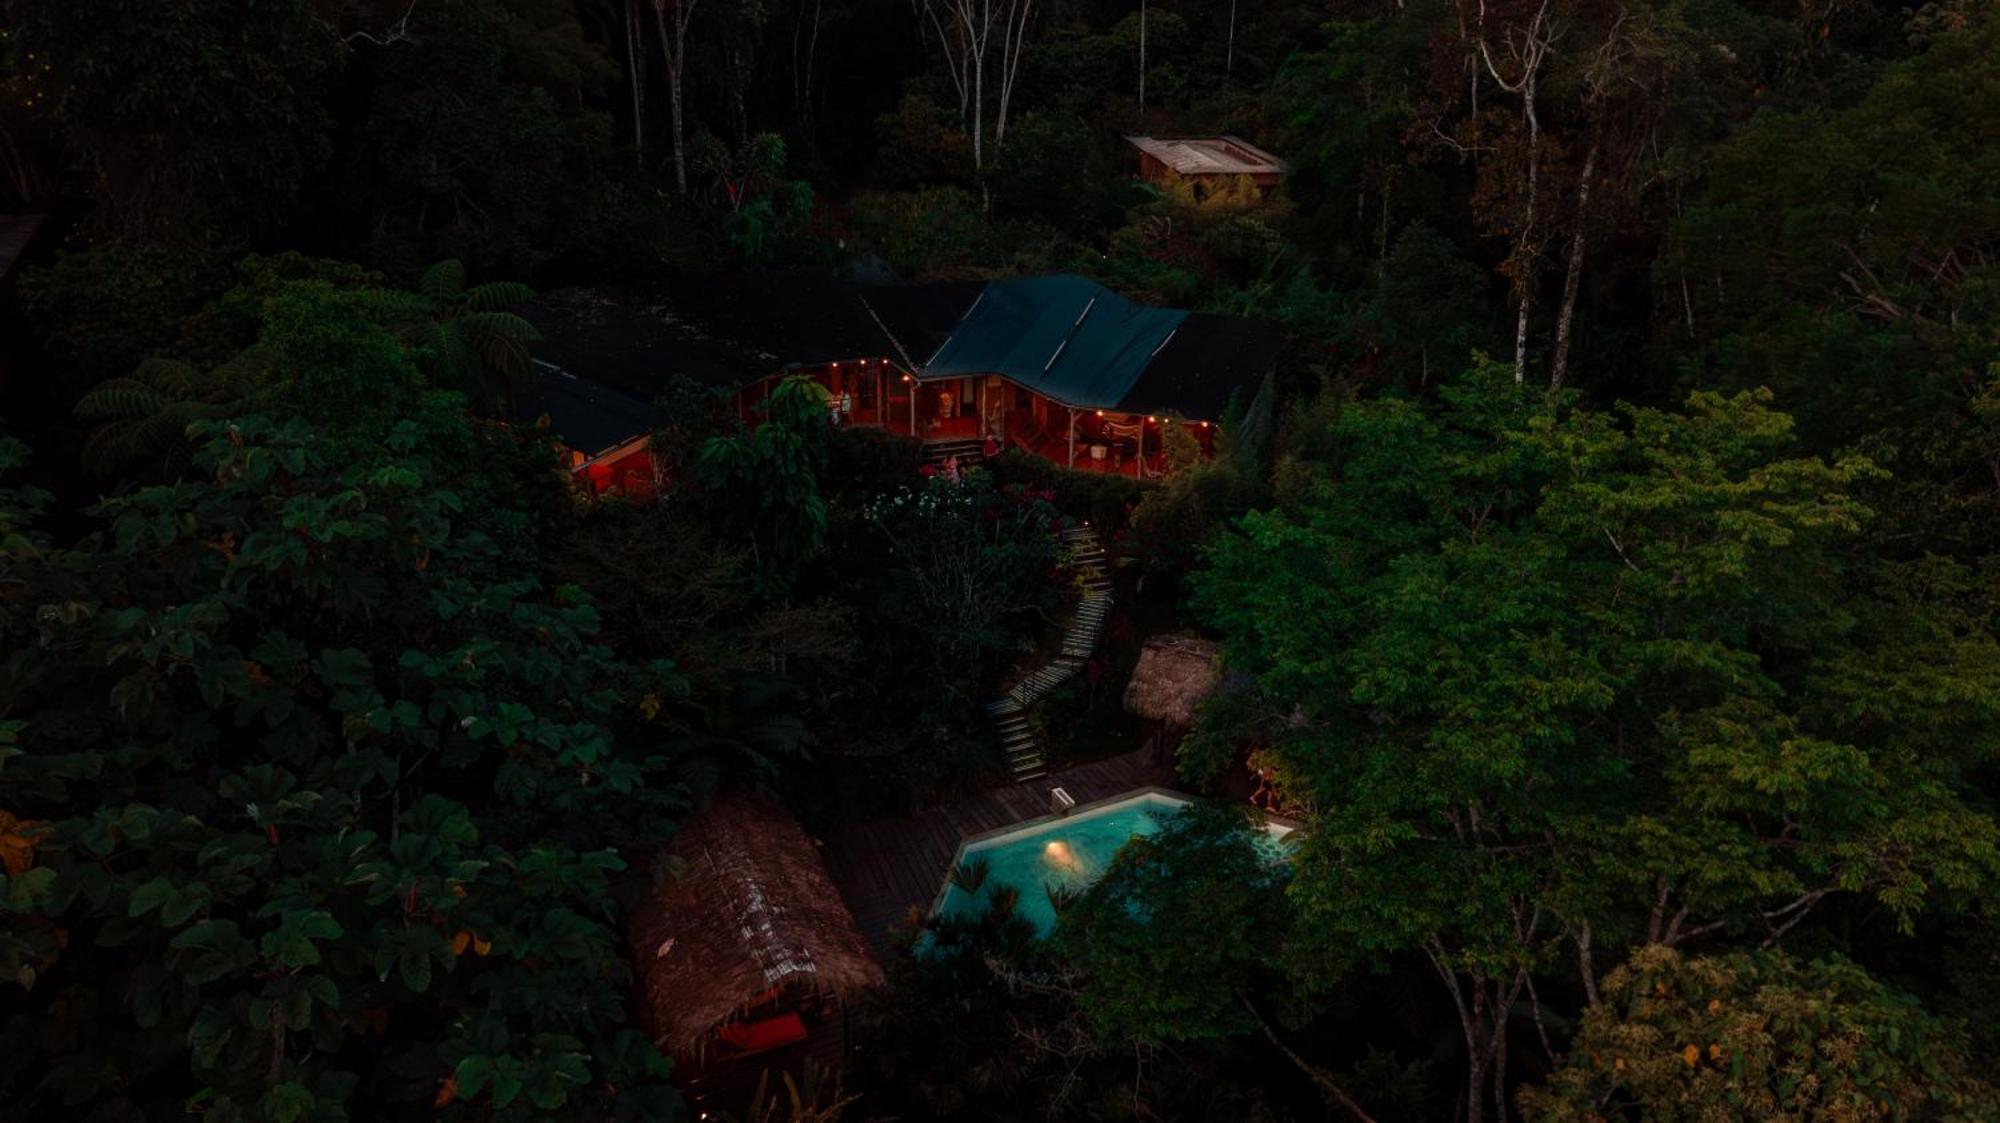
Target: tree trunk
x,y
1013,45
739,83
1229,52
1533,49
632,70
802,68
1319,1076
1573,279
1524,251
1142,56
979,106
674,46
1586,965
680,148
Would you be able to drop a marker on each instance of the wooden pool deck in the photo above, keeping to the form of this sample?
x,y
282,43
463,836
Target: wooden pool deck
x,y
885,868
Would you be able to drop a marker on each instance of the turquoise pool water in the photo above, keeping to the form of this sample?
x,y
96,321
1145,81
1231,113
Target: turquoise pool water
x,y
1071,852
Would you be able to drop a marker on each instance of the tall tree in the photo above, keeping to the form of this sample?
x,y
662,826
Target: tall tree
x,y
1758,1036
966,31
635,75
1561,681
158,114
322,785
671,18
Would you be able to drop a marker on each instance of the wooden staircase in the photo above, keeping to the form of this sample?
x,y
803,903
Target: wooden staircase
x,y
1026,758
969,450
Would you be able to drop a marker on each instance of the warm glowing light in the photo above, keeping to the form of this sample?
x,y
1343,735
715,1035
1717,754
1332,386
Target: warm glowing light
x,y
906,378
1100,413
1058,853
1153,420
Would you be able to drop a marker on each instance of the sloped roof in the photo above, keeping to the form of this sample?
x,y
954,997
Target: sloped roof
x,y
1063,336
721,331
1209,155
1173,676
919,318
751,909
584,415
1207,361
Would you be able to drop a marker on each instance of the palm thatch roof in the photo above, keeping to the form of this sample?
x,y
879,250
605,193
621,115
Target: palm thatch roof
x,y
750,909
1174,675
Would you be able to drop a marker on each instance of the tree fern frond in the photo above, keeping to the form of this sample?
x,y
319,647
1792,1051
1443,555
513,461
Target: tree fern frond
x,y
120,399
107,448
485,325
455,362
444,281
170,376
505,356
498,296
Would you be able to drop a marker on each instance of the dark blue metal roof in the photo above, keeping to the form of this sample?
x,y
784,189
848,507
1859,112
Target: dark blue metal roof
x,y
1065,337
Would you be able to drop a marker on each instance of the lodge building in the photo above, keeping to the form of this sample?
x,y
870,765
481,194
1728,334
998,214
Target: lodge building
x,y
1058,365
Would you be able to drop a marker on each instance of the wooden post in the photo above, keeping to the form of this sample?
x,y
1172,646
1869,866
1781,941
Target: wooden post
x,y
1072,438
1140,471
913,405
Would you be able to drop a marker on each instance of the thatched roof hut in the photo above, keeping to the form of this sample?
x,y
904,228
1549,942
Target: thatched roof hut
x,y
750,910
1174,674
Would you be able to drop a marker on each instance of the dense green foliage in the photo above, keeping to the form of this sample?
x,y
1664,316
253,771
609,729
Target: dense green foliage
x,y
1563,681
1607,578
1199,903
322,789
1758,1035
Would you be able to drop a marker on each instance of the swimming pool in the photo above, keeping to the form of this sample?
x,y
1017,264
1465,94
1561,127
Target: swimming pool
x,y
1069,852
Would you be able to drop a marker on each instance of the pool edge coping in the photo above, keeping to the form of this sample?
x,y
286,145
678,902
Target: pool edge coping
x,y
966,841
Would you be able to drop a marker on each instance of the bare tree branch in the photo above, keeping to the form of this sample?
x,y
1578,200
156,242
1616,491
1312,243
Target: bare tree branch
x,y
398,32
